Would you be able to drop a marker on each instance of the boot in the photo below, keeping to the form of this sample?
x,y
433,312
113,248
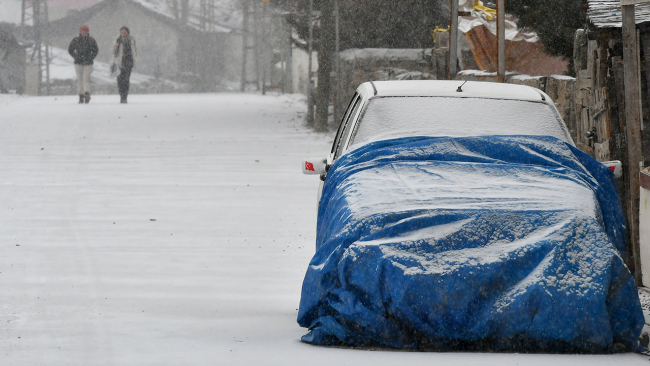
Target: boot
x,y
123,99
87,97
81,98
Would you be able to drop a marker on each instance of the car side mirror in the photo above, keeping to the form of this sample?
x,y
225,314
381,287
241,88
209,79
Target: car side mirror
x,y
615,166
314,166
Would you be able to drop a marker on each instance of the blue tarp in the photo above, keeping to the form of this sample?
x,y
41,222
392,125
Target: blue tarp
x,y
505,242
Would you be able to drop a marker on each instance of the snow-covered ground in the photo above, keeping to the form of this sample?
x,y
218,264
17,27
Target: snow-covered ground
x,y
174,230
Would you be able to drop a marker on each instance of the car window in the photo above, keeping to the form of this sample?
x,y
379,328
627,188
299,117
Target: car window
x,y
392,117
337,139
347,125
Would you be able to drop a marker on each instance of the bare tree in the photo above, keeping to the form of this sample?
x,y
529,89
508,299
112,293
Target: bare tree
x,y
180,9
174,8
185,11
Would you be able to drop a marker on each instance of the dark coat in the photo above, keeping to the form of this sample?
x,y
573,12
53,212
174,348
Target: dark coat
x,y
83,50
125,52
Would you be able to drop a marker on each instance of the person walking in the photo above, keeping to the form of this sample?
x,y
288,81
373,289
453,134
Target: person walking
x,y
125,54
83,50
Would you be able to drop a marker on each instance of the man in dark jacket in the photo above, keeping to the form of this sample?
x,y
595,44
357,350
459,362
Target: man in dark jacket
x,y
83,49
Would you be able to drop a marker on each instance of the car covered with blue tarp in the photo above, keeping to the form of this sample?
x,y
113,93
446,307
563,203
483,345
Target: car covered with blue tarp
x,y
435,231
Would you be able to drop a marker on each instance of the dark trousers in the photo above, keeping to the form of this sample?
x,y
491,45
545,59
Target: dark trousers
x,y
123,81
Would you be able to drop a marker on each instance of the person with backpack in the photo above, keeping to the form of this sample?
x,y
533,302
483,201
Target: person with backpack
x,y
83,50
125,54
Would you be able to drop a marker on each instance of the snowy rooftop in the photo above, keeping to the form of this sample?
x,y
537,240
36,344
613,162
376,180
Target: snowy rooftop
x,y
607,14
227,13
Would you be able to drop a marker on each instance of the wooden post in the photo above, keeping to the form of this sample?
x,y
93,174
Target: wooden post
x,y
633,131
310,100
256,40
288,68
453,40
242,86
326,47
501,41
337,64
263,47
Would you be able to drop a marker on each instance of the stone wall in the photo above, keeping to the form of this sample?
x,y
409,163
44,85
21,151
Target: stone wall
x,y
561,89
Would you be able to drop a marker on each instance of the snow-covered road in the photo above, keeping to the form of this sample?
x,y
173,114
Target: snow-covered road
x,y
174,230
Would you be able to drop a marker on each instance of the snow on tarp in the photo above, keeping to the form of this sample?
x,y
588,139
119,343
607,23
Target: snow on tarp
x,y
511,242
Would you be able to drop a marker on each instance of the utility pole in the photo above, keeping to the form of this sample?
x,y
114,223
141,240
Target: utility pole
x,y
326,46
245,47
263,47
337,61
36,11
288,77
310,101
501,41
633,127
206,22
256,40
453,40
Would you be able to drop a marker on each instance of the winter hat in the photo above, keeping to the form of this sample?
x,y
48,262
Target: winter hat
x,y
84,28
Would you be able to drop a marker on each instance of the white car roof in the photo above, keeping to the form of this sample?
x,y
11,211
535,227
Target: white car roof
x,y
448,88
470,89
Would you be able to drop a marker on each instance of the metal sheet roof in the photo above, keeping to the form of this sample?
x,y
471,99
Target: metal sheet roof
x,y
607,14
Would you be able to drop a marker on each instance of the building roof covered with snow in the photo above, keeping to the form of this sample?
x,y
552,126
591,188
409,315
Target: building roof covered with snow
x,y
222,16
607,14
210,16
